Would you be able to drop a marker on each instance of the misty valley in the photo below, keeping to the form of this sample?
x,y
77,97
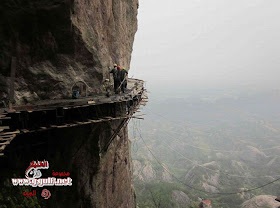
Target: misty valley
x,y
217,143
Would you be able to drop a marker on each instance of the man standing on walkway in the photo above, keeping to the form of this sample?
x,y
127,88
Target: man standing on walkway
x,y
123,74
116,76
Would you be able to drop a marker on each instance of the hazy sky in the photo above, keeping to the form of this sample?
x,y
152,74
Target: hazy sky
x,y
208,43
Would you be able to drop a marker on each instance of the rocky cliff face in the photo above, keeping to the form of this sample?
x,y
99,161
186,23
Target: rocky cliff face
x,y
59,42
100,179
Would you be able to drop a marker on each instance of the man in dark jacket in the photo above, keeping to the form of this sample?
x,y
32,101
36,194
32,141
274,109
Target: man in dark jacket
x,y
116,77
123,74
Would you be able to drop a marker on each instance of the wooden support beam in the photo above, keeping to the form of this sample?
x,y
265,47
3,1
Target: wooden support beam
x,y
64,126
82,123
94,121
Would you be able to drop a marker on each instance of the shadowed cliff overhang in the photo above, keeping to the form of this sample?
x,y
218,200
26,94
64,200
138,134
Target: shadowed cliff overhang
x,y
58,114
57,42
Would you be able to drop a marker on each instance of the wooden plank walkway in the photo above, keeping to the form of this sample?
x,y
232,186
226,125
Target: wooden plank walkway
x,y
133,88
135,93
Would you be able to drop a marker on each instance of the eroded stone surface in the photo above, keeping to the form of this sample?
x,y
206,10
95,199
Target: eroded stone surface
x,y
60,42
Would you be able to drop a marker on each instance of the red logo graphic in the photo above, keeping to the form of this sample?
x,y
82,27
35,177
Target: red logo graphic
x,y
33,170
29,194
46,194
60,173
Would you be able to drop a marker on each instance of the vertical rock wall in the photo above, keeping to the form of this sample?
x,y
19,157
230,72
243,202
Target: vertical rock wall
x,y
60,42
100,180
57,43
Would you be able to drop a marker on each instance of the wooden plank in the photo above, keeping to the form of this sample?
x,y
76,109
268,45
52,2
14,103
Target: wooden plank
x,y
5,118
4,127
13,136
79,104
11,132
6,136
2,147
7,139
5,143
